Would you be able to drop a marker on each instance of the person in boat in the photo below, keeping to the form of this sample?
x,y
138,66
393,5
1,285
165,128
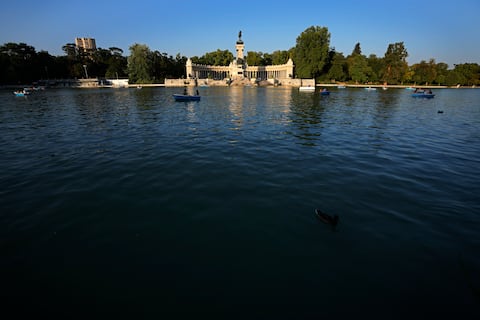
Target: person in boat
x,y
429,91
324,90
197,93
185,91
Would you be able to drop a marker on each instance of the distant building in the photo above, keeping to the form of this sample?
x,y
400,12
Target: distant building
x,y
240,70
85,44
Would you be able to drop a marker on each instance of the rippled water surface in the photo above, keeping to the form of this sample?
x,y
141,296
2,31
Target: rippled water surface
x,y
126,203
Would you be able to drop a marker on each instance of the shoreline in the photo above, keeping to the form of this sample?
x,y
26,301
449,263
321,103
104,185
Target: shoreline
x,y
329,85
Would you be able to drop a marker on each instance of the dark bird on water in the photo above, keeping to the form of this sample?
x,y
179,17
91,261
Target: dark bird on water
x,y
326,218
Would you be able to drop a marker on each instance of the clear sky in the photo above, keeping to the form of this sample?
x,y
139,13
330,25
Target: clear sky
x,y
445,31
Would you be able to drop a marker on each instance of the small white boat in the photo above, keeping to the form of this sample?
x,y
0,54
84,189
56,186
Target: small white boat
x,y
307,88
370,88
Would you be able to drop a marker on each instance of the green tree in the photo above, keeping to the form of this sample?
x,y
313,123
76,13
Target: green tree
x,y
396,65
19,63
215,58
357,49
442,72
254,58
70,50
424,72
358,68
454,78
470,72
311,52
140,64
280,57
376,65
339,68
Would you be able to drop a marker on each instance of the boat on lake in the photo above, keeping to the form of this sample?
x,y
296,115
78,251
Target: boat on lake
x,y
419,93
324,92
21,93
186,97
423,95
307,88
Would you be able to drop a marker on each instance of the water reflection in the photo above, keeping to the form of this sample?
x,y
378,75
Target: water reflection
x,y
307,109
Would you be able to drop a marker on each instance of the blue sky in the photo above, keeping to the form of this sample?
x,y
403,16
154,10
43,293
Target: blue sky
x,y
429,29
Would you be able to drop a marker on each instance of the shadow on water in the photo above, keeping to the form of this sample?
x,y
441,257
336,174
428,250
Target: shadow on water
x,y
306,113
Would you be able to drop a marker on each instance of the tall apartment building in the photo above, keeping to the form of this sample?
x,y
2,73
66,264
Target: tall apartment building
x,y
85,44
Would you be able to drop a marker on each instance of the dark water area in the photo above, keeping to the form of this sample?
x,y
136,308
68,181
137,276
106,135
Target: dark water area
x,y
123,203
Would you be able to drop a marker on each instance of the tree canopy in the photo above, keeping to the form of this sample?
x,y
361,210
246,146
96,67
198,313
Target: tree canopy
x,y
311,52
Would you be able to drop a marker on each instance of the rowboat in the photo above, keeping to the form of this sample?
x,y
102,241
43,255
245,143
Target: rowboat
x,y
186,97
21,93
423,95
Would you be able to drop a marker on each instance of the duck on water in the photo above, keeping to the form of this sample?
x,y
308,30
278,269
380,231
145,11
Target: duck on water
x,y
326,218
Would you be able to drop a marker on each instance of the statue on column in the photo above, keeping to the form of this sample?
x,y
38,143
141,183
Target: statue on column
x,y
240,35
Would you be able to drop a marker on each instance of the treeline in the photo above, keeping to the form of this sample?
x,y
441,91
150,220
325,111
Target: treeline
x,y
21,64
313,57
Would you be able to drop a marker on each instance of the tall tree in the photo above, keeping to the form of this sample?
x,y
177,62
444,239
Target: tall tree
x,y
312,51
442,72
339,68
395,63
424,72
70,50
357,49
358,68
140,64
377,65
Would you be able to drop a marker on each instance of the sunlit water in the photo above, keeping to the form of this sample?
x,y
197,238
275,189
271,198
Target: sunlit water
x,y
126,203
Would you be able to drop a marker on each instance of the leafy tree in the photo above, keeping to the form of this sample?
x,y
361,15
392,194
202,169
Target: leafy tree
x,y
358,68
312,51
18,63
376,64
442,72
424,72
454,77
280,57
254,58
395,63
339,68
70,50
140,64
471,72
215,58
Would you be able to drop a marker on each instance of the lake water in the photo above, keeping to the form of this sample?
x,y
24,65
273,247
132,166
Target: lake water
x,y
124,203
